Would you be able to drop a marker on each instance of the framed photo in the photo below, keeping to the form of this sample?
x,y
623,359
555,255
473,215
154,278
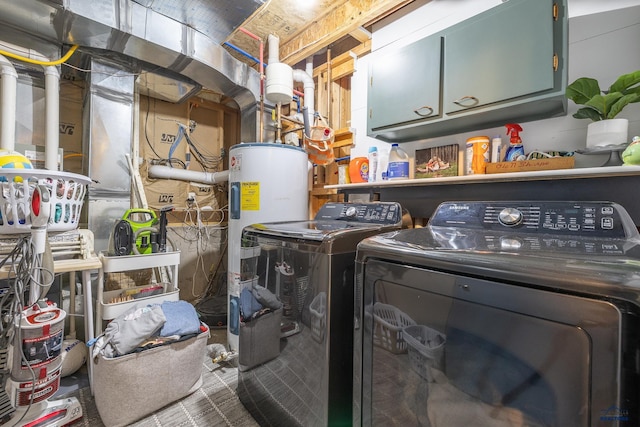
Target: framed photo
x,y
437,161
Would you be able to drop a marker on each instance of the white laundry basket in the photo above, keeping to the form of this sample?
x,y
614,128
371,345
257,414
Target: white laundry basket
x,y
67,192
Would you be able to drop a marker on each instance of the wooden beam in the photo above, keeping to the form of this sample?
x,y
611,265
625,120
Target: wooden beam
x,y
343,20
346,57
361,34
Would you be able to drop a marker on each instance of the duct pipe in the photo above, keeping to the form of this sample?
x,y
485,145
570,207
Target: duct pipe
x,y
52,117
166,172
9,82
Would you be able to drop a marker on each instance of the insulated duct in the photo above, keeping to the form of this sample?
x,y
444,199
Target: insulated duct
x,y
9,82
166,172
137,31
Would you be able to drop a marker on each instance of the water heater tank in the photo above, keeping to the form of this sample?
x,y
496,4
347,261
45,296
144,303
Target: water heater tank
x,y
267,182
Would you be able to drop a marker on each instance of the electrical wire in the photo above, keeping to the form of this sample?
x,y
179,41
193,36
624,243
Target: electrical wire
x,y
38,62
199,232
26,267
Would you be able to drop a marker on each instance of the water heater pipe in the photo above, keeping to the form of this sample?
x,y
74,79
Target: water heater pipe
x,y
9,84
52,117
166,172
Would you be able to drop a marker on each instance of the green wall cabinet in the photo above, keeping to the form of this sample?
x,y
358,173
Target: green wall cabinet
x,y
507,64
405,85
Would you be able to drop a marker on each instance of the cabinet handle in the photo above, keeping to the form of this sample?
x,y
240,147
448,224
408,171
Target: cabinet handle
x,y
428,111
461,101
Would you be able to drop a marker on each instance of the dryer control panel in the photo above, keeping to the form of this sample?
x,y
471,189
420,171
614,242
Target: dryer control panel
x,y
386,213
588,219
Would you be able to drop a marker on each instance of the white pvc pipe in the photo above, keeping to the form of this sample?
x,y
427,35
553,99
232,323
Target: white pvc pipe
x,y
274,47
52,116
166,172
9,82
309,96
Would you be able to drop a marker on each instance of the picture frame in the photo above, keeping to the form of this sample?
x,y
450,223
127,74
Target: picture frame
x,y
436,162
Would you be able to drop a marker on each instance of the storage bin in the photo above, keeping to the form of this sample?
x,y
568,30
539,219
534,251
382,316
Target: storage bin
x,y
426,350
387,328
259,340
130,387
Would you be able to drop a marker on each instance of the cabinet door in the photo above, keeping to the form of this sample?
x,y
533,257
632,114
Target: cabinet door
x,y
504,53
404,86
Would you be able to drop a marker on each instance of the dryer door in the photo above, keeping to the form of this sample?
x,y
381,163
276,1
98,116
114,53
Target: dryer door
x,y
441,349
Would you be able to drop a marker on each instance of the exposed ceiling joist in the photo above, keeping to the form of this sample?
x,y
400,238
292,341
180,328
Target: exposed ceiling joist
x,y
342,21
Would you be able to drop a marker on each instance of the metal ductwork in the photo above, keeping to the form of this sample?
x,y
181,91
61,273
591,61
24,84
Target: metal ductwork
x,y
139,30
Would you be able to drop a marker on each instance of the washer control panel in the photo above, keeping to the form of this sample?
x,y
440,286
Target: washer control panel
x,y
370,213
593,219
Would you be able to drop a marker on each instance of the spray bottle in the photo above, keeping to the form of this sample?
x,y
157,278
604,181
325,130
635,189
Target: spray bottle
x,y
515,150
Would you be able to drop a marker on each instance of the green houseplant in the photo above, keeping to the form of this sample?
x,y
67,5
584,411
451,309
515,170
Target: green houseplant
x,y
602,107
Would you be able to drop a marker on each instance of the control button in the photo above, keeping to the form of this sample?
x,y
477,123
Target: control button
x,y
573,227
606,223
607,210
508,243
510,217
351,211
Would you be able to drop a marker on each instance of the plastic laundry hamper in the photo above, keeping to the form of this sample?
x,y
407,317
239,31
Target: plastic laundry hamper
x,y
66,190
389,322
426,350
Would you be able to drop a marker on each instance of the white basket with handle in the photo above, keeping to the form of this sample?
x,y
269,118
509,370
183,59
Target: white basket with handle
x,y
67,192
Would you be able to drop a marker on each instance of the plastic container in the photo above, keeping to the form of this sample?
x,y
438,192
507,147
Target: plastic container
x,y
398,166
389,322
477,155
426,350
383,162
359,169
515,150
373,163
496,144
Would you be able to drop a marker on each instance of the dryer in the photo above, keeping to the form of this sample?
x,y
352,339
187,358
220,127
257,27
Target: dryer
x,y
501,313
295,364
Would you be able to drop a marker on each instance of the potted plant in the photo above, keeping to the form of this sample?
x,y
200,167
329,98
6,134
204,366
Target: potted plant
x,y
603,106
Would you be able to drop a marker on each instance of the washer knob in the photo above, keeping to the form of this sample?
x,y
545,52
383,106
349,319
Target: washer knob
x,y
351,211
510,217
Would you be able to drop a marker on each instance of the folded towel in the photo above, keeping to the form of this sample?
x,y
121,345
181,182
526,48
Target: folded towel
x,y
182,319
249,305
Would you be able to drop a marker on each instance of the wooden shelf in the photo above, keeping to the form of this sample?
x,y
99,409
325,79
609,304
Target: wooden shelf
x,y
323,191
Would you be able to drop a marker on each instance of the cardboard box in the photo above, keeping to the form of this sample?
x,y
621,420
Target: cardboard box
x,y
532,165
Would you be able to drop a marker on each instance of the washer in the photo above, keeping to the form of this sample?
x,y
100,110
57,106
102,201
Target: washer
x,y
295,366
501,313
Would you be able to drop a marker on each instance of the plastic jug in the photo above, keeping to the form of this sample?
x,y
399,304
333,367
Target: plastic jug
x,y
398,166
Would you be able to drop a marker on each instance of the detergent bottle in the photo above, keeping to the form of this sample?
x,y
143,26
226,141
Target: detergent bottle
x,y
515,150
